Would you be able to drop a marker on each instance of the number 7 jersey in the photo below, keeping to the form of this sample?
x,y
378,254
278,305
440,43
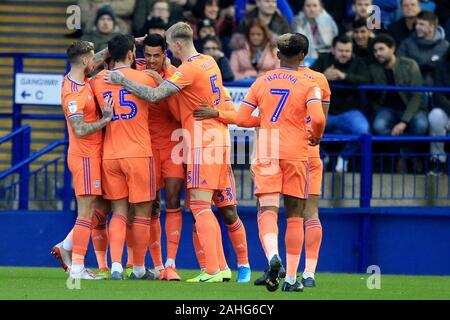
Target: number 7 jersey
x,y
127,135
282,97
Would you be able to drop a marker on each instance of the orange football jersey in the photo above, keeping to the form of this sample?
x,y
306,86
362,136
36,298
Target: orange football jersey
x,y
283,96
127,135
199,81
322,81
78,99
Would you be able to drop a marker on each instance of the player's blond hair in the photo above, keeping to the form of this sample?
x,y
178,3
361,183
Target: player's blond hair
x,y
180,31
78,49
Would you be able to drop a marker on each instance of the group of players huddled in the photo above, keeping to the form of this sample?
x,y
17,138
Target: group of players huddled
x,y
166,127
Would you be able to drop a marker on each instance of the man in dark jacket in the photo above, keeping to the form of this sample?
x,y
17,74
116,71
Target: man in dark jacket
x,y
345,116
361,36
266,10
397,112
439,116
404,27
426,46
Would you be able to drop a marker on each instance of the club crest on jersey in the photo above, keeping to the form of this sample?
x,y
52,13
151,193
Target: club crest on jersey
x,y
177,75
72,106
318,93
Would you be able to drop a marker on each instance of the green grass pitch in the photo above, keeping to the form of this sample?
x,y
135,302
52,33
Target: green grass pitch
x,y
50,283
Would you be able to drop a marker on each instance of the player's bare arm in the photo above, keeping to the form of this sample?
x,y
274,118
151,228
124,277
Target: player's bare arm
x,y
144,92
100,57
82,128
205,112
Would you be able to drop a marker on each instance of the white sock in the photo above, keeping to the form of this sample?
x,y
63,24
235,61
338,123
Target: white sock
x,y
139,271
76,268
307,274
170,263
244,265
159,267
116,266
67,244
290,280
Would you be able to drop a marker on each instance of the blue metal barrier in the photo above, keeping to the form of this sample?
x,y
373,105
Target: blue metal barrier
x,y
21,150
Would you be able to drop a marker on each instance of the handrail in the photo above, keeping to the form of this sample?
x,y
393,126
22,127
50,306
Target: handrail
x,y
35,55
33,157
11,135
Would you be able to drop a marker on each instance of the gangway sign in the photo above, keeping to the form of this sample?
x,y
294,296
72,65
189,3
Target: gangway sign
x,y
38,88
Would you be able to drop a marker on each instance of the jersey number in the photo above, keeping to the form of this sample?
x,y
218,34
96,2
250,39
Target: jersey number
x,y
284,93
215,89
123,103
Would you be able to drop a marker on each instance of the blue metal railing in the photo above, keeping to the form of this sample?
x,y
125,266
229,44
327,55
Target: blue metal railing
x,y
25,177
21,139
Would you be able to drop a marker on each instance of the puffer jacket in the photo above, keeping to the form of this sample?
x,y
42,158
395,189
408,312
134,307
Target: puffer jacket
x,y
427,53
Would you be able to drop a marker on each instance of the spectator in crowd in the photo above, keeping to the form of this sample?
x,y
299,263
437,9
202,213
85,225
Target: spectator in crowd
x,y
316,24
212,46
396,112
223,21
143,12
440,115
426,46
345,116
337,9
122,8
205,28
105,28
360,9
361,40
266,11
244,6
160,9
405,26
257,55
155,25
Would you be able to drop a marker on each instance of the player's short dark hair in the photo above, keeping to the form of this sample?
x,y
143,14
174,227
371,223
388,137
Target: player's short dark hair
x,y
119,46
341,39
155,40
384,38
78,49
359,23
291,44
428,16
305,44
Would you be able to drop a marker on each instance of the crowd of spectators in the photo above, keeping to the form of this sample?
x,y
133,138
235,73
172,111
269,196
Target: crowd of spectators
x,y
404,43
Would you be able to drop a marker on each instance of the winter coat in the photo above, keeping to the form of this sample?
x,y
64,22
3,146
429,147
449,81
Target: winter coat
x,y
241,63
406,73
327,29
427,53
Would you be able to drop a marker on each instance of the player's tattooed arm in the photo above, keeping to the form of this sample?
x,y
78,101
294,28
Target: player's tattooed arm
x,y
100,57
82,128
144,92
